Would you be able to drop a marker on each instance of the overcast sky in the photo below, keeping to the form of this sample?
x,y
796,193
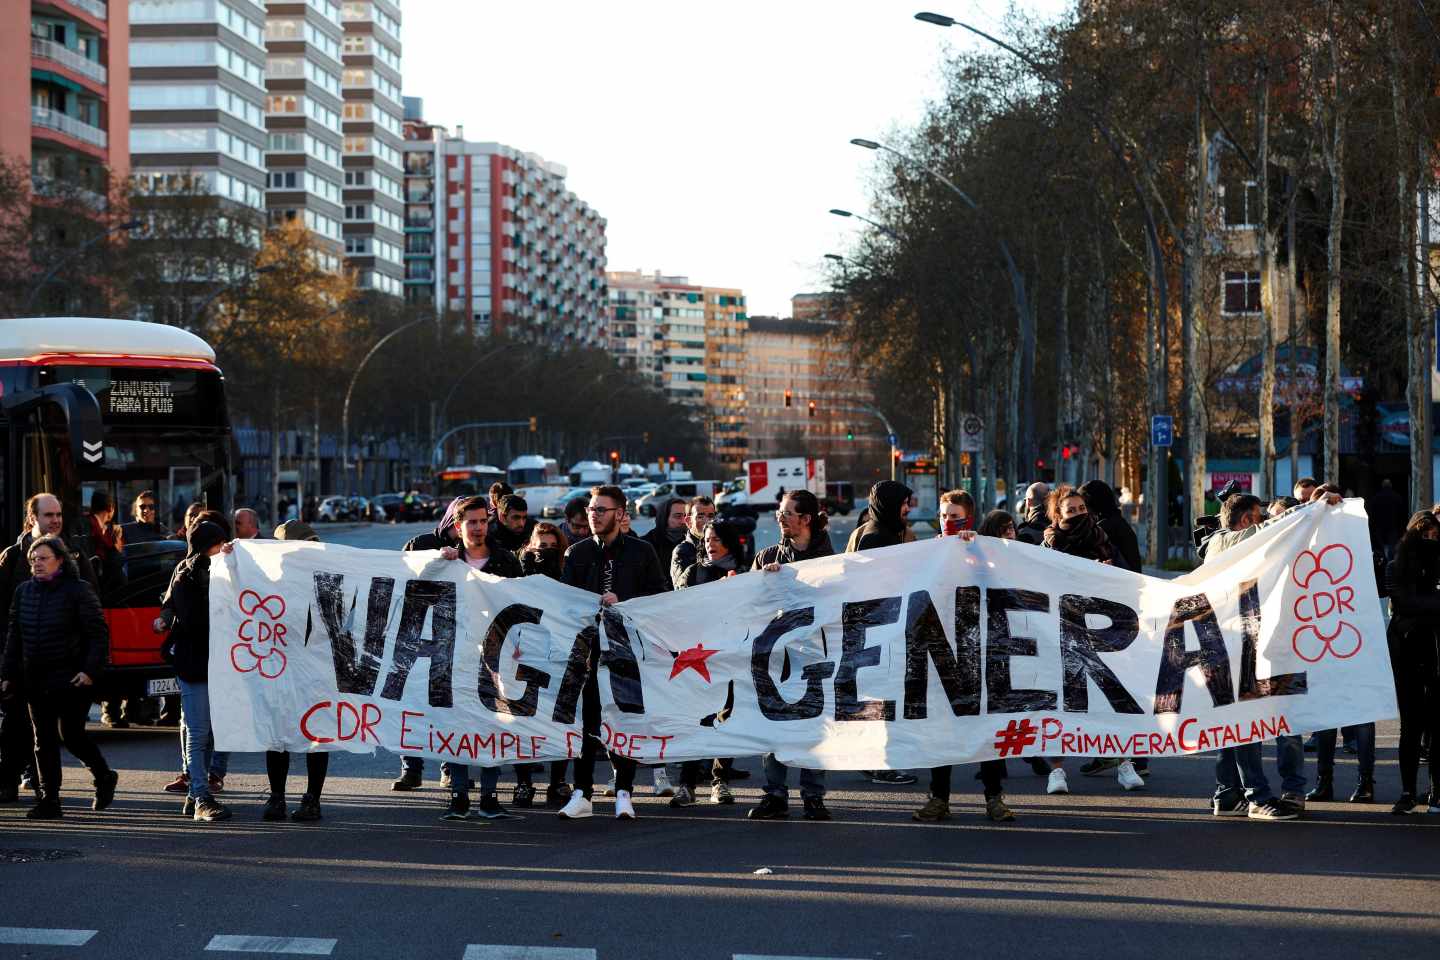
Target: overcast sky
x,y
712,136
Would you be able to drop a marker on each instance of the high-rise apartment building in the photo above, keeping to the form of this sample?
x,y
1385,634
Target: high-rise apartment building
x,y
302,119
658,328
373,144
75,75
725,326
504,241
197,98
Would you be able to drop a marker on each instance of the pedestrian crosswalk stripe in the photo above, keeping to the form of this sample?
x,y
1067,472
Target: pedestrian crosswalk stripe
x,y
310,946
46,937
490,951
764,956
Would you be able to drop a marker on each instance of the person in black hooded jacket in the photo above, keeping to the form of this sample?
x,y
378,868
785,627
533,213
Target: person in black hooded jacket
x,y
884,522
669,531
1101,503
54,651
698,514
442,536
1414,638
185,612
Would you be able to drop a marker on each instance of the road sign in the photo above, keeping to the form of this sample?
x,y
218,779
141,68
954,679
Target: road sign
x,y
972,433
1162,430
892,438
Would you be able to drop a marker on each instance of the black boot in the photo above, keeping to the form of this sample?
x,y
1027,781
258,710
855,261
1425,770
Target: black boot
x,y
47,807
104,789
1324,789
1364,792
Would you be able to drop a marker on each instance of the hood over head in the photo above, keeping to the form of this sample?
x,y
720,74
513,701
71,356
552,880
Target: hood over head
x,y
1099,498
886,499
203,536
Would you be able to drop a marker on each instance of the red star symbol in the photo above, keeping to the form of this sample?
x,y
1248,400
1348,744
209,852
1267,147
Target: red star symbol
x,y
694,658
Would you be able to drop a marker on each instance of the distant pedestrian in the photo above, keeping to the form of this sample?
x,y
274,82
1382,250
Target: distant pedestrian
x,y
246,523
1100,503
698,514
1034,520
1387,518
669,530
55,649
1414,635
577,522
146,527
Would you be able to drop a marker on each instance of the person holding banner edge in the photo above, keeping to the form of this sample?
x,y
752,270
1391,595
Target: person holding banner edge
x,y
618,568
956,513
804,535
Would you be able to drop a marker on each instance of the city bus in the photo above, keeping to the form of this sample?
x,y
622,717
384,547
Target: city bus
x,y
120,406
463,481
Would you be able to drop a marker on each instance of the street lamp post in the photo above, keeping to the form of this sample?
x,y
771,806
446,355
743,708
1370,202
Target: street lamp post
x,y
75,254
878,226
1160,462
350,390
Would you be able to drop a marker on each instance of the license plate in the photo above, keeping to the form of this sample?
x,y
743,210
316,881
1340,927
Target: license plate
x,y
162,687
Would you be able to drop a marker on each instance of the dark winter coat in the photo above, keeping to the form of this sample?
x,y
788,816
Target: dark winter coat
x,y
503,538
659,537
1032,528
1101,502
784,552
704,572
55,630
15,570
502,563
550,564
1414,632
137,531
437,539
1080,537
185,608
882,525
635,569
686,553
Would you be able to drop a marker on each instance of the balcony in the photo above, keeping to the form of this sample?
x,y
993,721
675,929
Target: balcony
x,y
70,126
53,189
95,8
67,58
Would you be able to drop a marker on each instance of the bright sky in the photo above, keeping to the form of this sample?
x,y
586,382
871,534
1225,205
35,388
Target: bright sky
x,y
712,136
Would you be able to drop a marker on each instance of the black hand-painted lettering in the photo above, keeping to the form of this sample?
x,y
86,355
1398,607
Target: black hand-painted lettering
x,y
925,640
352,675
1212,658
1080,646
437,597
1001,645
1251,687
534,679
772,705
577,668
855,620
618,658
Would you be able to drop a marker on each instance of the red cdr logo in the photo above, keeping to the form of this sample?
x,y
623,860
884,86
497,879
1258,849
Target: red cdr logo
x,y
1320,609
261,635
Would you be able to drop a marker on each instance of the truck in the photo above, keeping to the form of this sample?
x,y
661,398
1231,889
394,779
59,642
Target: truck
x,y
761,487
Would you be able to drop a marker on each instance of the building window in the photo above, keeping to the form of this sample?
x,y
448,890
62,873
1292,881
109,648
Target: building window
x,y
1242,204
1242,291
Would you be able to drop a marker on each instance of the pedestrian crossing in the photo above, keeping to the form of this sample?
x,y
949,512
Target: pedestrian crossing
x,y
325,946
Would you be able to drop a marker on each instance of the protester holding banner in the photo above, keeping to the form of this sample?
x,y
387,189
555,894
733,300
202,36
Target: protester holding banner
x,y
277,762
955,519
1413,636
722,547
804,535
472,522
698,514
543,556
185,612
884,522
618,568
56,645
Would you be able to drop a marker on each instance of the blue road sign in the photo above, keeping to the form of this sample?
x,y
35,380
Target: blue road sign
x,y
1162,430
892,438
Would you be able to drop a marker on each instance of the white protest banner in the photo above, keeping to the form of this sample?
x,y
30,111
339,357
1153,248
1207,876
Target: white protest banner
x,y
934,652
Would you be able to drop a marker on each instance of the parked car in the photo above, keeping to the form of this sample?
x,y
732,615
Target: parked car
x,y
839,497
335,509
387,507
555,509
645,505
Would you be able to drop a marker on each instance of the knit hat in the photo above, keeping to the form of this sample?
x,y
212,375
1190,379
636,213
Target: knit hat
x,y
296,530
203,536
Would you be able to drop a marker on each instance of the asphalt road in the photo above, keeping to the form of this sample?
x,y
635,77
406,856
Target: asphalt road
x,y
1097,873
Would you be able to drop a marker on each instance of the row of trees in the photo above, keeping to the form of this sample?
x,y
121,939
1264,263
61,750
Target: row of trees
x,y
1114,182
290,329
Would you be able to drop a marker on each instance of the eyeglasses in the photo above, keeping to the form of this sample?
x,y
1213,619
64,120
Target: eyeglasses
x,y
787,514
146,508
599,511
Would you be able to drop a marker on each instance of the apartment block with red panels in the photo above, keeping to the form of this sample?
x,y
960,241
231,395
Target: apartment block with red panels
x,y
70,58
522,253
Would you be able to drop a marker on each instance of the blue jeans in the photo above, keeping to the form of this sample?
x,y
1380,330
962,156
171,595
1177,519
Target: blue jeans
x,y
1364,736
416,765
219,759
1290,759
1240,769
812,782
196,738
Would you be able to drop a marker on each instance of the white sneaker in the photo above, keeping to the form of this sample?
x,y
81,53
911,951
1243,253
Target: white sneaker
x,y
1057,783
578,808
662,783
624,809
1128,778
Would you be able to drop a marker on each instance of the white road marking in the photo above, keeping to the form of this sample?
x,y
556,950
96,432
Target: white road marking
x,y
490,951
310,946
46,937
766,956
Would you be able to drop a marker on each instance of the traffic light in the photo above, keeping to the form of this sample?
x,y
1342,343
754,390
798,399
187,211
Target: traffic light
x,y
789,399
672,460
645,437
812,408
1040,464
615,457
534,424
849,435
1065,452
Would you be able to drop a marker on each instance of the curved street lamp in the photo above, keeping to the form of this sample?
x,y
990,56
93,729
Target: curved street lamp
x,y
878,226
75,254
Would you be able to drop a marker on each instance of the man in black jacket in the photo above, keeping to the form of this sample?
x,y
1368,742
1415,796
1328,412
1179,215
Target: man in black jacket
x,y
1031,528
44,517
669,531
510,523
618,568
804,535
692,546
1100,500
884,521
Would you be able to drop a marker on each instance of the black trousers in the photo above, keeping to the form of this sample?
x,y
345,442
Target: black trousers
x,y
990,775
590,726
60,718
277,769
17,741
1417,692
720,769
